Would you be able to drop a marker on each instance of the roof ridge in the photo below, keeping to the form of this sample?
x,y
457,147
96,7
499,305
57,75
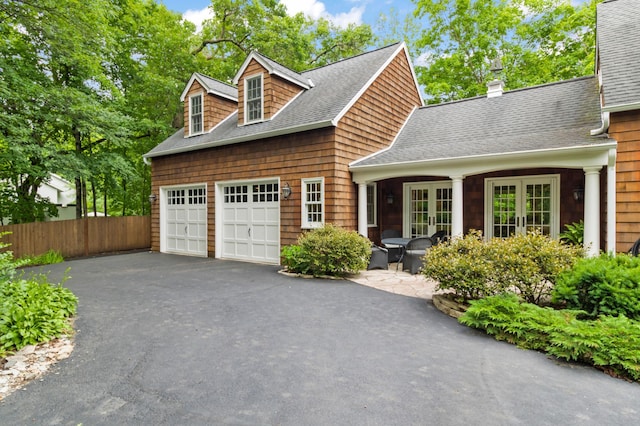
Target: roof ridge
x,y
215,79
518,90
352,57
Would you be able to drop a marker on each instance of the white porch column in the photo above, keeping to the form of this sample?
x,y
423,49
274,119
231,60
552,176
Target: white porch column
x,y
592,210
456,207
362,209
611,203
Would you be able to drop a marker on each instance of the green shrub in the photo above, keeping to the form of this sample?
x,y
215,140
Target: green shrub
x,y
602,285
527,264
573,234
329,250
531,263
31,310
48,258
609,343
461,265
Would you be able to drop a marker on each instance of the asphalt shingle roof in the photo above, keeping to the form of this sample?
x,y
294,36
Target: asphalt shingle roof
x,y
218,86
619,51
335,86
557,115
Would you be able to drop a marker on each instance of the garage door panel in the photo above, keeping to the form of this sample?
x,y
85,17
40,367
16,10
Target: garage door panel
x,y
251,222
185,223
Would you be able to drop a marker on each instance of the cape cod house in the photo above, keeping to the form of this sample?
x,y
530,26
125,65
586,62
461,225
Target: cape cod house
x,y
351,143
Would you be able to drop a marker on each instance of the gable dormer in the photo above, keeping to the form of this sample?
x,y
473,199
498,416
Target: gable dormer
x,y
265,87
207,102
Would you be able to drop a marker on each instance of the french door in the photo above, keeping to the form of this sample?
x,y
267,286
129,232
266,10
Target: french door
x,y
427,208
520,205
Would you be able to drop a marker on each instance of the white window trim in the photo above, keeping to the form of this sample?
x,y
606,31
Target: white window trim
x,y
554,180
246,93
305,223
375,205
201,96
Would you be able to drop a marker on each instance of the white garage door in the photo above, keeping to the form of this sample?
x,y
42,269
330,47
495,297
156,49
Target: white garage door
x,y
251,222
186,221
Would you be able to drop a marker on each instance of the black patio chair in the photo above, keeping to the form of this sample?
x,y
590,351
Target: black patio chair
x,y
395,252
379,258
438,237
635,248
413,255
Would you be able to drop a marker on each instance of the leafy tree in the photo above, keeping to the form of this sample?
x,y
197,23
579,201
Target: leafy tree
x,y
538,41
298,42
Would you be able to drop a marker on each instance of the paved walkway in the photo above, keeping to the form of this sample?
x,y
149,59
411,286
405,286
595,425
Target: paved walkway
x,y
397,282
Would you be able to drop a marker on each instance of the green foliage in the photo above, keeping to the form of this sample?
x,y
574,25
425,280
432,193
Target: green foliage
x,y
610,343
48,258
329,250
457,266
472,268
33,311
602,285
538,41
574,233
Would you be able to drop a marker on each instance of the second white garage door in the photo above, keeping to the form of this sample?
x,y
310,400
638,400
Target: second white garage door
x,y
251,221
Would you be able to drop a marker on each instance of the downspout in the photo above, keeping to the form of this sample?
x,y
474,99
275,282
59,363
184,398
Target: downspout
x,y
146,161
605,125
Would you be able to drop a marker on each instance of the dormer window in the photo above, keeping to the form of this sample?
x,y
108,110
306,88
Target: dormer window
x,y
195,114
253,99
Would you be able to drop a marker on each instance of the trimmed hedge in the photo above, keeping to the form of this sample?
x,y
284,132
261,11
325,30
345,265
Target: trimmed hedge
x,y
329,250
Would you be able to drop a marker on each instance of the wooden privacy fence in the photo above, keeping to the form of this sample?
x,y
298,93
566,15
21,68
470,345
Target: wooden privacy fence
x,y
80,237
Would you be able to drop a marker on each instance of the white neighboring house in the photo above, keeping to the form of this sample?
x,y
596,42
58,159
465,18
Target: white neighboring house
x,y
62,193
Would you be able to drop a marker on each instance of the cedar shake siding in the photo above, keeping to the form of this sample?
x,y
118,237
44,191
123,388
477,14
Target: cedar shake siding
x,y
290,158
214,108
625,128
371,124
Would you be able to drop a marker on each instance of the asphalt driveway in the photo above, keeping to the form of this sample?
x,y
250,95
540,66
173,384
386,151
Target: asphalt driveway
x,y
177,340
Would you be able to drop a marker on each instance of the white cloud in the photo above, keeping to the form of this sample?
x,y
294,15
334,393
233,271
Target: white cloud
x,y
197,16
316,9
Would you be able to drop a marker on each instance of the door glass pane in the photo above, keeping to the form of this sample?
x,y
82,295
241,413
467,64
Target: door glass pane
x,y
419,214
504,210
443,210
538,204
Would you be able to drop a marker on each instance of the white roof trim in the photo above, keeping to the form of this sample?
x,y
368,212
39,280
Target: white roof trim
x,y
270,70
621,107
402,47
355,163
246,138
569,157
195,77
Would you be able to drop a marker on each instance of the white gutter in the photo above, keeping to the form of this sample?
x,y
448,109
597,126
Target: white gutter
x,y
146,160
622,107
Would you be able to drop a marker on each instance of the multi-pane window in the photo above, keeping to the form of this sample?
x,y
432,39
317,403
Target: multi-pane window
x,y
371,205
175,197
265,192
195,114
313,203
197,196
253,109
523,204
236,194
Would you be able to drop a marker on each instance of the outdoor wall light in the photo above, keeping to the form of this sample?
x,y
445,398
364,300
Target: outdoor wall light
x,y
152,198
286,191
389,197
578,194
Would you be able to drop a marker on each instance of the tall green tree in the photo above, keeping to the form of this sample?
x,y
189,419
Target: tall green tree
x,y
538,41
298,42
86,87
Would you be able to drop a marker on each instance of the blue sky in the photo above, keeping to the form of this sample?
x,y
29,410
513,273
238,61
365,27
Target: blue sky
x,y
341,12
